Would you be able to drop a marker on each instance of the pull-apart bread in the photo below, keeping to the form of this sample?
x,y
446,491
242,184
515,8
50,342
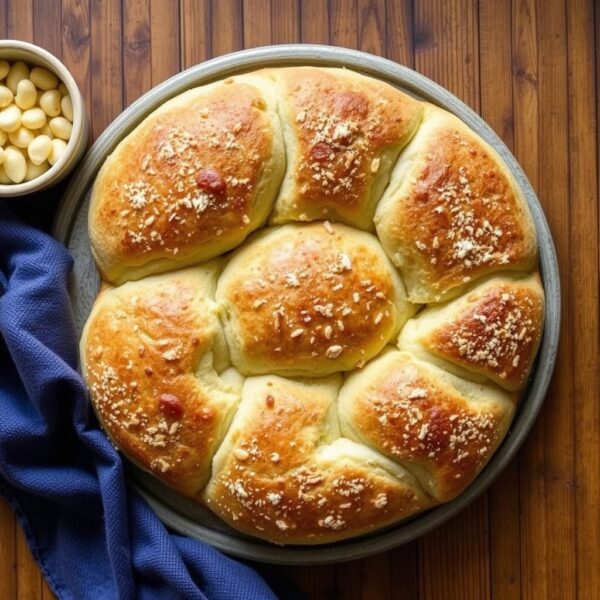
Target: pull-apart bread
x,y
355,362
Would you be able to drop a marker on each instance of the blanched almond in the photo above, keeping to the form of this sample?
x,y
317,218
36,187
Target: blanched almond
x,y
39,149
14,164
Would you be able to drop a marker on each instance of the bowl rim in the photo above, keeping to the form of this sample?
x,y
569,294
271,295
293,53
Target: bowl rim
x,y
64,76
408,80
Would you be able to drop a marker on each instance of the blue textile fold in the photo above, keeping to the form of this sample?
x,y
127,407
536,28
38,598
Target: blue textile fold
x,y
93,536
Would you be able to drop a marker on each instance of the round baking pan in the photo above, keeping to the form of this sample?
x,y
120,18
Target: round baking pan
x,y
192,519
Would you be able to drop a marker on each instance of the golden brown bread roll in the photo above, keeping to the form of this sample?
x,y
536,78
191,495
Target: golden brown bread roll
x,y
149,353
343,132
318,459
283,474
310,300
491,332
439,427
452,212
190,182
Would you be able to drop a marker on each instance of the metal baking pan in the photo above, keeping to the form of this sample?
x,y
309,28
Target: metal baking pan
x,y
189,518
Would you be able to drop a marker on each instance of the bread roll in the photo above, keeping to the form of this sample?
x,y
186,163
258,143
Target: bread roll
x,y
319,458
309,300
491,332
190,182
151,352
452,212
438,427
282,474
343,132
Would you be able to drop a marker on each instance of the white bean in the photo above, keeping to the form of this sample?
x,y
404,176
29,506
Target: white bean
x,y
39,149
1,155
34,118
21,138
6,96
3,137
17,72
67,107
34,170
14,164
50,103
43,78
4,69
10,118
4,179
26,95
61,128
58,149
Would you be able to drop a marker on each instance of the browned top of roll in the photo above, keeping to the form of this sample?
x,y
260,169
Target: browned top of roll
x,y
310,300
189,183
343,131
141,349
437,426
277,477
454,213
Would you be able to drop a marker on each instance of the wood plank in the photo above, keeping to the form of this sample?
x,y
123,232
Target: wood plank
x,y
8,551
404,572
558,414
194,25
47,593
496,67
371,26
447,46
584,267
19,19
454,559
226,26
497,109
76,45
47,19
285,21
3,18
137,65
314,22
348,578
344,23
106,63
257,23
29,578
164,39
532,486
399,26
399,22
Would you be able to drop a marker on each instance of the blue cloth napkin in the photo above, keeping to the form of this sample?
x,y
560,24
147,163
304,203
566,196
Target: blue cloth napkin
x,y
93,537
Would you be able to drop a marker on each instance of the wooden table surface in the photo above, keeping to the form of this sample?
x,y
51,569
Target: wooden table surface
x,y
532,70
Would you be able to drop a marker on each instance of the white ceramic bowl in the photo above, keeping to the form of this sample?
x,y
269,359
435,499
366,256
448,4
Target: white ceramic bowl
x,y
14,50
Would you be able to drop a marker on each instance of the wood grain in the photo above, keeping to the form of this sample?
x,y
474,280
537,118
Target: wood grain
x,y
532,69
496,98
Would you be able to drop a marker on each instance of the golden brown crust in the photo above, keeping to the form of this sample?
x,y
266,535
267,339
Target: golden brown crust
x,y
310,300
452,212
279,475
343,132
188,183
494,330
141,349
439,428
294,463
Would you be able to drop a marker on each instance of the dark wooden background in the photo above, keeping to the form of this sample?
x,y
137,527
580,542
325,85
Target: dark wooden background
x,y
532,70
